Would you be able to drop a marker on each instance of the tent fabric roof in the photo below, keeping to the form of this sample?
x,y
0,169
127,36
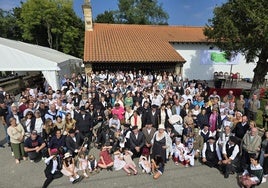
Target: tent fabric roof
x,y
114,43
20,56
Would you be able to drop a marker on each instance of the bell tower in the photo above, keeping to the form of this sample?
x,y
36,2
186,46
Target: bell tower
x,y
87,11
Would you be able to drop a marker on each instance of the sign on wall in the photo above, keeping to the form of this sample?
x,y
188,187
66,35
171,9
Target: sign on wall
x,y
217,57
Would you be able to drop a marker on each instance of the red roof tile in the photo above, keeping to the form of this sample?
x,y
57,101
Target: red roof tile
x,y
109,43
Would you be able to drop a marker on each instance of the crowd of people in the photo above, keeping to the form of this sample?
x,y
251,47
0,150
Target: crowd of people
x,y
155,117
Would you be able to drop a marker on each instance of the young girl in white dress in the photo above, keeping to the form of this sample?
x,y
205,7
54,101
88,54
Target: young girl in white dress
x,y
145,164
83,163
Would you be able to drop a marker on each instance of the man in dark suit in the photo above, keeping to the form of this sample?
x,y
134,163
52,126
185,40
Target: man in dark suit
x,y
73,142
136,141
84,124
148,132
241,128
145,115
154,114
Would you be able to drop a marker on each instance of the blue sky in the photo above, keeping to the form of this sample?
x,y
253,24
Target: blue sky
x,y
181,12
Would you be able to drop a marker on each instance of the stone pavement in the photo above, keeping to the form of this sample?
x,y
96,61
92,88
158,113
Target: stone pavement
x,y
31,175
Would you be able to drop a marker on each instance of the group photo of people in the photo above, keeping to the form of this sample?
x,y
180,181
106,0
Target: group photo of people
x,y
135,121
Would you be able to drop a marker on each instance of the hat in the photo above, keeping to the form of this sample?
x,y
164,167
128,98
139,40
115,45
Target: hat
x,y
82,108
71,131
154,106
211,137
34,132
149,121
53,152
134,127
127,125
161,126
67,155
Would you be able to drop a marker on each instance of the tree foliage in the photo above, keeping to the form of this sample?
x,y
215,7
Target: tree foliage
x,y
145,12
8,24
241,26
53,24
106,17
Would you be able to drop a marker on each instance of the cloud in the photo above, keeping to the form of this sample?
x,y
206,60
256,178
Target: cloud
x,y
186,6
210,8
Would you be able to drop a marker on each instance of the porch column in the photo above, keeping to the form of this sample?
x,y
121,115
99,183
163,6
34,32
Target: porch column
x,y
178,68
88,71
88,68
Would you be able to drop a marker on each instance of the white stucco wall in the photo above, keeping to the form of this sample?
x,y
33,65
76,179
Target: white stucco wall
x,y
194,69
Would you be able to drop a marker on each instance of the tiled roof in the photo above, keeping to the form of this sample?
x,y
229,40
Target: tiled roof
x,y
109,43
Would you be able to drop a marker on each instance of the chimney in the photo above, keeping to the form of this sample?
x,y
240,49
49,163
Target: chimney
x,y
87,10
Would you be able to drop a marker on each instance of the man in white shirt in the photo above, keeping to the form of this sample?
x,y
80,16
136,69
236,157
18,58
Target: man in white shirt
x,y
211,155
52,170
230,153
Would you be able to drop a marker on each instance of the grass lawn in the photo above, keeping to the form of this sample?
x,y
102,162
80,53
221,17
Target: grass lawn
x,y
259,120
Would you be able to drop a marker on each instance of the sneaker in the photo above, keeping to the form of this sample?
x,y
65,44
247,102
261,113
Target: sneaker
x,y
31,161
143,171
78,179
12,154
72,180
176,163
186,166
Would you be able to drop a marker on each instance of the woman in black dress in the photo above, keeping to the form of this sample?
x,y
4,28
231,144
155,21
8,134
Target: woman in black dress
x,y
161,143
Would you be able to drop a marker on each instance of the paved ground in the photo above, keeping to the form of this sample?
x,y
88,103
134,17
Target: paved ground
x,y
30,175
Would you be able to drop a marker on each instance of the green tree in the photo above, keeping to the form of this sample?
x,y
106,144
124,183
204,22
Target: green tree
x,y
241,26
106,17
145,12
8,24
53,24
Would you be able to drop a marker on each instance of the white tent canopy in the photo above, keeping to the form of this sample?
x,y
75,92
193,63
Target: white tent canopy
x,y
20,56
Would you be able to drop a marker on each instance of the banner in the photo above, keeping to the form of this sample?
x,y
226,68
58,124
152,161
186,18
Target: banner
x,y
217,57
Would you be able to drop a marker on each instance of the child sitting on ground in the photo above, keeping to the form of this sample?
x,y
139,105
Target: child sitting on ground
x,y
92,164
83,164
144,163
178,150
106,161
128,158
189,155
120,163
